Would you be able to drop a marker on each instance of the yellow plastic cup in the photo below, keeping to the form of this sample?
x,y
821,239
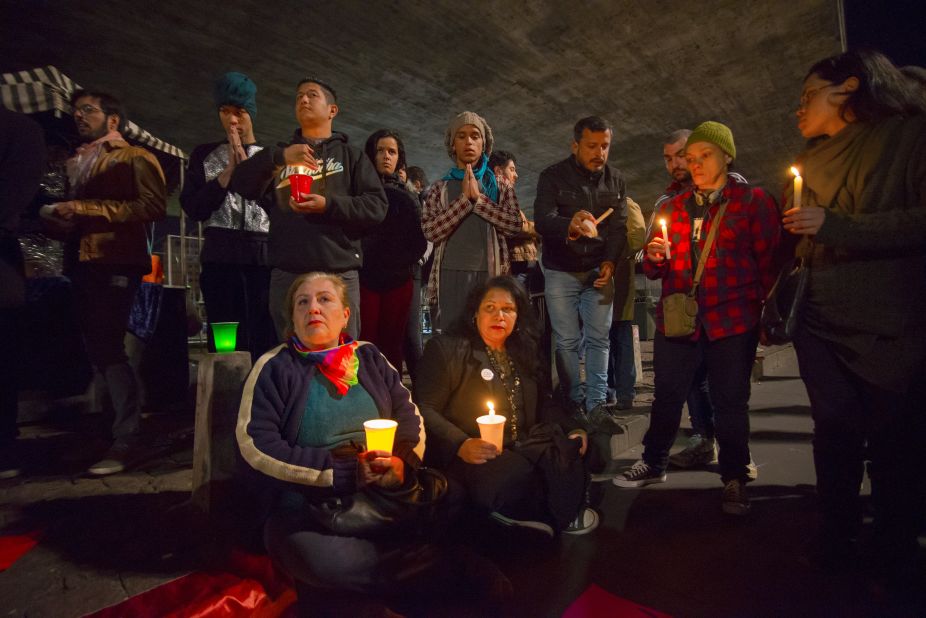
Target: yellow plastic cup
x,y
380,434
492,429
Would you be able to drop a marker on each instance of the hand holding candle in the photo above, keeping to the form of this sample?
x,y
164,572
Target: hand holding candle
x,y
492,427
798,187
665,237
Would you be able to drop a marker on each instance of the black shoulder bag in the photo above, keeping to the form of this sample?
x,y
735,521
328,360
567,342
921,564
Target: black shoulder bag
x,y
782,308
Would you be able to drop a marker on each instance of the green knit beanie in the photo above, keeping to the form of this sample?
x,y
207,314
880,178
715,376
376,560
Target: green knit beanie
x,y
714,133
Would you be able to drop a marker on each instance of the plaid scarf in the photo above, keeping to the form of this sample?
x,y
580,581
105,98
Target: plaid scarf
x,y
339,364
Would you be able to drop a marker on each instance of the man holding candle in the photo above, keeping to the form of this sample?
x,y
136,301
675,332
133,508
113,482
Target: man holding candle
x,y
235,278
737,274
321,232
578,263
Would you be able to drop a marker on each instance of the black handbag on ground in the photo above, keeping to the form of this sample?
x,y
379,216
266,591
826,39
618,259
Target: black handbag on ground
x,y
377,512
782,308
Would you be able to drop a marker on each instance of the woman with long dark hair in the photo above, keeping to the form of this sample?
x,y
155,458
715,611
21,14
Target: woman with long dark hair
x,y
390,252
861,344
490,354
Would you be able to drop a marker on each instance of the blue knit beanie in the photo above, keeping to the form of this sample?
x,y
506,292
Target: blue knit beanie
x,y
236,89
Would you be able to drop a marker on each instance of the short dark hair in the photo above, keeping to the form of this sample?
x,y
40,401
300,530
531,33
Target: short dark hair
x,y
373,141
882,92
500,158
416,173
523,343
678,134
594,124
110,105
331,97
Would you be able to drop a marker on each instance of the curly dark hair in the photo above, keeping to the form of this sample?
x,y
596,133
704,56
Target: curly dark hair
x,y
523,343
373,141
882,92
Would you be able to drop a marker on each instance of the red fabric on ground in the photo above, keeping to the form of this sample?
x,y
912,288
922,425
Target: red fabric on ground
x,y
597,602
249,587
13,547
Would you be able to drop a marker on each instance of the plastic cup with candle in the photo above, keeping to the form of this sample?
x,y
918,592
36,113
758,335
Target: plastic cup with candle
x,y
300,182
665,236
380,434
798,187
492,427
225,335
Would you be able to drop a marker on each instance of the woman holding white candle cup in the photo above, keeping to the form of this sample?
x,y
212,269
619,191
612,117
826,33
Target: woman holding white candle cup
x,y
861,341
302,413
491,355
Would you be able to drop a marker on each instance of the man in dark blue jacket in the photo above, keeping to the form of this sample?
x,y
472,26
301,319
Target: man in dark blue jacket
x,y
322,232
581,244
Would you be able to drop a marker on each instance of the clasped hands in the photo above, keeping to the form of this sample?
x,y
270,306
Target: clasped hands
x,y
380,468
470,185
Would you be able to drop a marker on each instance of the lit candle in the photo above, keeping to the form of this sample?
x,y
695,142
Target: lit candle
x,y
492,427
665,236
798,187
491,408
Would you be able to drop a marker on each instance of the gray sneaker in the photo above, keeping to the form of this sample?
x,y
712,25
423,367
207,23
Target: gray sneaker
x,y
735,500
538,526
116,460
699,451
586,521
602,421
639,475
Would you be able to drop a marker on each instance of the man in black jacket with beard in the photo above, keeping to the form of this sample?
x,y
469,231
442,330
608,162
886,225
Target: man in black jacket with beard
x,y
322,232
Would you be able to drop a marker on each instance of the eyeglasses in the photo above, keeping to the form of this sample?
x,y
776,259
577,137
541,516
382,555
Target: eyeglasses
x,y
808,96
87,109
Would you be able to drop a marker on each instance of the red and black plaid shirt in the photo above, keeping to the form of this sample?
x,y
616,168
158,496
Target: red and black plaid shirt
x,y
738,272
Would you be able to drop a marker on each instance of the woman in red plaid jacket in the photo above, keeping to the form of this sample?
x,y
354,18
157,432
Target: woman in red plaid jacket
x,y
738,272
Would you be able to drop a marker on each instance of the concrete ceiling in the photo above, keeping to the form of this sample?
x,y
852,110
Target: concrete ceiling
x,y
530,68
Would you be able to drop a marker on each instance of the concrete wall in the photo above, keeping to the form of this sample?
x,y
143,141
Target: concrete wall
x,y
531,68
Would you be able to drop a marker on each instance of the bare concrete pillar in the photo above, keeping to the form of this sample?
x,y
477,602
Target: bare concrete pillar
x,y
218,394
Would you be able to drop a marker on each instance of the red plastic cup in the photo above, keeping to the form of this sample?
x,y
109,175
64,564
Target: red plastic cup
x,y
300,186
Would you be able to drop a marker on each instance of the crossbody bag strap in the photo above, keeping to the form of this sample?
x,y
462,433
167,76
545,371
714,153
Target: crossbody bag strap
x,y
708,245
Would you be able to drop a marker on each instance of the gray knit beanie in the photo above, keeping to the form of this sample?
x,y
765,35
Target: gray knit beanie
x,y
462,119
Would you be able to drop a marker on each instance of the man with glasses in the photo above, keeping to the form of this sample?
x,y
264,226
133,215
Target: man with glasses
x,y
116,189
235,278
322,230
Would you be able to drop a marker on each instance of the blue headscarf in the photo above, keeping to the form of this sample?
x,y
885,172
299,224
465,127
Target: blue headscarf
x,y
483,174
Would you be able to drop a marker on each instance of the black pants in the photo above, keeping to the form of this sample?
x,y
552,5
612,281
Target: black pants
x,y
729,367
10,338
854,421
103,298
240,293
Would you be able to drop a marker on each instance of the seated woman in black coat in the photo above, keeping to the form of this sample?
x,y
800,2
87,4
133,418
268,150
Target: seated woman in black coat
x,y
538,480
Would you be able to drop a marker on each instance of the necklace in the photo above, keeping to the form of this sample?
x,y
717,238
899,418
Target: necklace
x,y
504,368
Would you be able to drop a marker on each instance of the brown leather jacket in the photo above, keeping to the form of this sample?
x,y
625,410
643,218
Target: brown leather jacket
x,y
125,190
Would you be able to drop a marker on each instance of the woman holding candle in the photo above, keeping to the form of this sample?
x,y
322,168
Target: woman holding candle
x,y
861,343
302,409
490,355
737,274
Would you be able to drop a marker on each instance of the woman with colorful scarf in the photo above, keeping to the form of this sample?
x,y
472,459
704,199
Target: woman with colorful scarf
x,y
468,217
861,343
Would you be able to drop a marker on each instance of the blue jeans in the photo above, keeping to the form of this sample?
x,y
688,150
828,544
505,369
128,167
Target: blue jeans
x,y
571,296
622,371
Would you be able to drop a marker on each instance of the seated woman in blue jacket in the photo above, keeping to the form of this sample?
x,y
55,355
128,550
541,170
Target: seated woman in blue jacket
x,y
490,353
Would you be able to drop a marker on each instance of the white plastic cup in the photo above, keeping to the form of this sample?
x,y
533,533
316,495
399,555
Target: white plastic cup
x,y
380,434
492,429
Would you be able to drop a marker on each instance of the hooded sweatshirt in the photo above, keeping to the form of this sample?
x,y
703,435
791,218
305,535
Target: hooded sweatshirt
x,y
328,241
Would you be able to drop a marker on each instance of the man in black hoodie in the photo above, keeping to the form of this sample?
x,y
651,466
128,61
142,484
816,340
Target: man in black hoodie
x,y
321,232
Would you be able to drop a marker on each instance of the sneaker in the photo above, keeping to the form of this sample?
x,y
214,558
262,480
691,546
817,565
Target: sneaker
x,y
602,421
586,521
523,523
116,459
640,475
735,500
698,452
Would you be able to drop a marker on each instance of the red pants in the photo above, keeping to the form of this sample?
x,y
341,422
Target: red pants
x,y
383,319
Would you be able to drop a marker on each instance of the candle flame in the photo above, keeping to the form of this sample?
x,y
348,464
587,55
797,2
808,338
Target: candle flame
x,y
491,408
795,172
662,222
